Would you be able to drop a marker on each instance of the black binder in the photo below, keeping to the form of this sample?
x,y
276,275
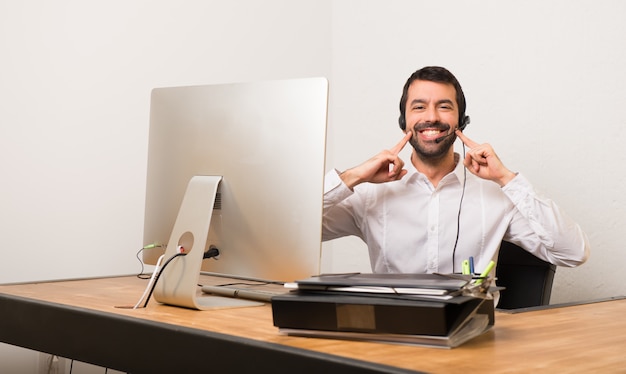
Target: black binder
x,y
392,317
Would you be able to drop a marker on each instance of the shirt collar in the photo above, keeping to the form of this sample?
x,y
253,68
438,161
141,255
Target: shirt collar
x,y
458,172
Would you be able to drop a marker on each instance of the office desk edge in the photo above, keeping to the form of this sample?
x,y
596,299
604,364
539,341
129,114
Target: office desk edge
x,y
136,345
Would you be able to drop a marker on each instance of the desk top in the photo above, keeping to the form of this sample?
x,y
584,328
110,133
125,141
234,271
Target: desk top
x,y
587,337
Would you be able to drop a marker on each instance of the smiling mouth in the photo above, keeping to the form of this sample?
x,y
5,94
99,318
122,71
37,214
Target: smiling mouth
x,y
432,134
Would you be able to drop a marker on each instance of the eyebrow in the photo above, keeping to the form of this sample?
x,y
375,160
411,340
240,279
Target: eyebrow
x,y
442,101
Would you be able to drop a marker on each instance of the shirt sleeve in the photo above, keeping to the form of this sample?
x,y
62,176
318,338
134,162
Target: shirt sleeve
x,y
542,228
335,190
338,217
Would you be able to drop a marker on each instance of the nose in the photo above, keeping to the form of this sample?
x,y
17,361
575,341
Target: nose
x,y
431,115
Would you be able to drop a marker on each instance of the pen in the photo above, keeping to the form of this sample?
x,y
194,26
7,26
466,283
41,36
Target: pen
x,y
471,264
465,267
486,272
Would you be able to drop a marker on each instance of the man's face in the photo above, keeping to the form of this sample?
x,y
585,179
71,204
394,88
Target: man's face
x,y
431,113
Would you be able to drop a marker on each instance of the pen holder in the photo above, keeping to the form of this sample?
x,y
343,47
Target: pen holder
x,y
479,289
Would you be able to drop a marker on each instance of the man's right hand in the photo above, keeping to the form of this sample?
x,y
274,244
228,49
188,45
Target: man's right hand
x,y
384,167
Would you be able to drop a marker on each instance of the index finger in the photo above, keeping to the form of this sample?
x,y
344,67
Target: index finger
x,y
467,141
398,147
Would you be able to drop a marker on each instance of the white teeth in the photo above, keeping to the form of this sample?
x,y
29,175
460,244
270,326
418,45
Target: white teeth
x,y
431,132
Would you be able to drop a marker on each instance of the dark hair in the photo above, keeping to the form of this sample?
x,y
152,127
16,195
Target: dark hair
x,y
433,74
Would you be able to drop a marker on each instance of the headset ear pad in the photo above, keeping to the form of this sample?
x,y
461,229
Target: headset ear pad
x,y
402,122
463,124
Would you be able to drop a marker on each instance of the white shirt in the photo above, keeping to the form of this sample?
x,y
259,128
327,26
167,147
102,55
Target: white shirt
x,y
410,226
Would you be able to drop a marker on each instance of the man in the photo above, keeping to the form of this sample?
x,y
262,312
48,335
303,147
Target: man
x,y
432,215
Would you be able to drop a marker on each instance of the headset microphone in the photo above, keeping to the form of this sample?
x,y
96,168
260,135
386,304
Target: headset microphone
x,y
439,140
464,123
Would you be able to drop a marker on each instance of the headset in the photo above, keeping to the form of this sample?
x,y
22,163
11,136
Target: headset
x,y
463,124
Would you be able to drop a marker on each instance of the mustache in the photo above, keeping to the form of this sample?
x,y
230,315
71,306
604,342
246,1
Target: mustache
x,y
432,125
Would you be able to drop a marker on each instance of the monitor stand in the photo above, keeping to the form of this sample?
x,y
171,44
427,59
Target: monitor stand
x,y
178,282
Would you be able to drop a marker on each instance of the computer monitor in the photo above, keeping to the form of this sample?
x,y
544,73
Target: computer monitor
x,y
238,167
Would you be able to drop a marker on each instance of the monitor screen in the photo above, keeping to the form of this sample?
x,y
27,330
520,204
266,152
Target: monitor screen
x,y
265,144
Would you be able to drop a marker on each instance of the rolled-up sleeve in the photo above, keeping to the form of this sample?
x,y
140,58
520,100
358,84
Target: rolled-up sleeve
x,y
338,219
557,238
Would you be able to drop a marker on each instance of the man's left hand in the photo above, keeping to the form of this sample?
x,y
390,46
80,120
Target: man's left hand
x,y
482,161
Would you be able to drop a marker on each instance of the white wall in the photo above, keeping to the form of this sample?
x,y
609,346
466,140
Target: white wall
x,y
545,83
544,80
75,81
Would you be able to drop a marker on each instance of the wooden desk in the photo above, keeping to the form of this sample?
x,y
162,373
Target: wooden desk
x,y
79,319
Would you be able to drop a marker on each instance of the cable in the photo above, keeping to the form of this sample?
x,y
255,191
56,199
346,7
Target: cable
x,y
158,270
152,281
458,218
141,274
159,275
212,252
50,362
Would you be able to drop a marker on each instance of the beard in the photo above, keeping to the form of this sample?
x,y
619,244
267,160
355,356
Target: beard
x,y
432,150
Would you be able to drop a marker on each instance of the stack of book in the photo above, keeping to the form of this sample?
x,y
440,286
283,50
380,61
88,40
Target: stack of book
x,y
423,309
